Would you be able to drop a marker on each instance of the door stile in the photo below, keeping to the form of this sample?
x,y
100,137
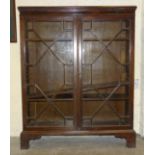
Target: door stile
x,y
77,73
131,72
23,70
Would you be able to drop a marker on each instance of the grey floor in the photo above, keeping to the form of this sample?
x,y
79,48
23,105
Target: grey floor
x,y
94,145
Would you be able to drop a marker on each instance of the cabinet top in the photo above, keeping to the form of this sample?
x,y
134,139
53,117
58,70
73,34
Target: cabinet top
x,y
79,9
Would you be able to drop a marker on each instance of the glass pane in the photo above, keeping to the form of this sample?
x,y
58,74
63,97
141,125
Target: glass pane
x,y
105,73
50,73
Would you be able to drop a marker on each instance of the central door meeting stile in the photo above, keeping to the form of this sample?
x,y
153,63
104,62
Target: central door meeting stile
x,y
77,71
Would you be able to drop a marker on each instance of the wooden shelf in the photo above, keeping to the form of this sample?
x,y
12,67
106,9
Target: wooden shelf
x,y
70,40
86,97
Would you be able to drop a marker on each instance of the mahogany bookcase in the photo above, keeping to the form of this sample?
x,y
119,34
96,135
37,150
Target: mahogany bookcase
x,y
77,71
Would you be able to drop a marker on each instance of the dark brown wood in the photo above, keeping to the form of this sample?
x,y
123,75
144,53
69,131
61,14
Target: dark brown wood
x,y
72,9
13,21
130,139
23,68
65,87
129,135
25,138
50,40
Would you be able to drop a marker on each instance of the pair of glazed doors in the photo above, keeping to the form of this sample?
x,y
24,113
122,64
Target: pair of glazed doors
x,y
78,71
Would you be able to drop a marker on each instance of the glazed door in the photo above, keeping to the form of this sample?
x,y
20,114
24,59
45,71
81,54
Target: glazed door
x,y
105,72
49,72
